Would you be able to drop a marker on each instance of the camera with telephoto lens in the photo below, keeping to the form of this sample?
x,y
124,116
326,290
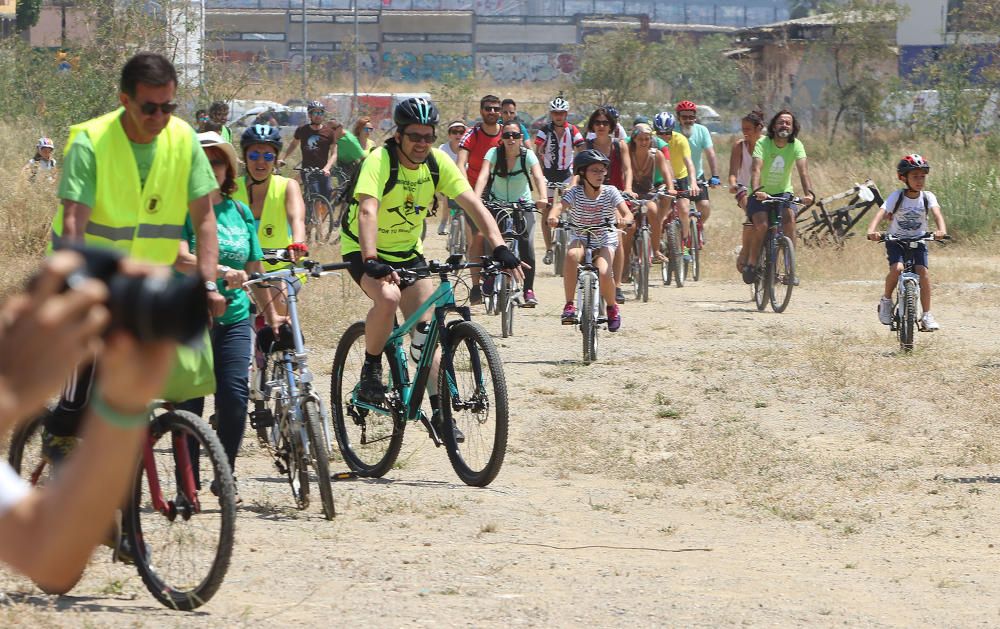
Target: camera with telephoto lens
x,y
150,308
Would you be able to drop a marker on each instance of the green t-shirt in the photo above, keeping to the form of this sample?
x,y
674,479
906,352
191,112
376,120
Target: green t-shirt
x,y
776,170
402,210
349,150
226,134
238,245
79,174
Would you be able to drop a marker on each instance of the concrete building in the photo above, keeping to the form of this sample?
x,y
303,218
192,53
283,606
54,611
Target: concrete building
x,y
928,27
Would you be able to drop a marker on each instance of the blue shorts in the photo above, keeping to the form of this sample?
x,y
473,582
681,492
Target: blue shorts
x,y
754,206
894,252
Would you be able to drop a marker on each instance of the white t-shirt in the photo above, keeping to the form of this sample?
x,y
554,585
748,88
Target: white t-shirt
x,y
446,147
910,221
587,212
13,488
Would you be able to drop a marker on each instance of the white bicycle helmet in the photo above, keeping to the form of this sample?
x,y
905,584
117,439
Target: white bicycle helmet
x,y
45,143
558,104
664,121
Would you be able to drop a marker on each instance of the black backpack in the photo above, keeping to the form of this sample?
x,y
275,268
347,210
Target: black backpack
x,y
494,174
390,183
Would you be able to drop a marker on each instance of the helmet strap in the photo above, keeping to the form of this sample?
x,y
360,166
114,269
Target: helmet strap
x,y
254,182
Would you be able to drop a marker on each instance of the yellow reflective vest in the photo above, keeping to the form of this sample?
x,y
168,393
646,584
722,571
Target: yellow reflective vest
x,y
144,222
273,229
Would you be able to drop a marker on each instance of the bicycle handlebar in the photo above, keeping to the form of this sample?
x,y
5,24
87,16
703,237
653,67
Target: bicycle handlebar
x,y
451,265
925,237
793,200
308,267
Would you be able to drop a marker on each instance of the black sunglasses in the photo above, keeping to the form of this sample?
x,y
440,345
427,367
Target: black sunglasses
x,y
218,162
493,109
149,109
413,136
602,123
511,135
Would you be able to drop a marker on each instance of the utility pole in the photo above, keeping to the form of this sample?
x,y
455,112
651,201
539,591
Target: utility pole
x,y
357,62
305,47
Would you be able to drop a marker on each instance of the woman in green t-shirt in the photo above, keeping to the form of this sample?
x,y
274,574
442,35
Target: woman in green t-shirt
x,y
239,253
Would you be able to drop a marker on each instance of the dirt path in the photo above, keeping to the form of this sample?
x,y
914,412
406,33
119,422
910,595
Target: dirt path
x,y
719,466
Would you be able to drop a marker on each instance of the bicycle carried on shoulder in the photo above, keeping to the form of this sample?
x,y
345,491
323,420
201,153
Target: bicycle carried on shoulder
x,y
775,272
179,538
288,415
507,293
470,382
905,307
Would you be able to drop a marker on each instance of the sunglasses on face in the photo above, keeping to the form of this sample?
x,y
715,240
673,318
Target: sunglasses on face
x,y
511,135
456,131
687,117
217,162
415,137
317,112
253,156
491,109
148,109
664,134
602,123
369,129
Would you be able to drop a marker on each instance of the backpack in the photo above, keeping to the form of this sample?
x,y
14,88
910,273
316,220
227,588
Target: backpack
x,y
390,183
899,201
524,169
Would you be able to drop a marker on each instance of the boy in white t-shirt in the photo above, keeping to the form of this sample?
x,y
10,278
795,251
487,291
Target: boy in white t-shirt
x,y
907,210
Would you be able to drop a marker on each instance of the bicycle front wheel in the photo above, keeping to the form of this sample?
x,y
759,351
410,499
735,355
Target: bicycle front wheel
x,y
505,304
676,255
762,277
908,321
323,216
473,394
320,455
181,538
643,267
694,266
588,318
558,251
782,271
25,452
369,441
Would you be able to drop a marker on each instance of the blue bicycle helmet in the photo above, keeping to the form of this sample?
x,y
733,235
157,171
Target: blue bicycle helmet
x,y
415,111
261,134
664,121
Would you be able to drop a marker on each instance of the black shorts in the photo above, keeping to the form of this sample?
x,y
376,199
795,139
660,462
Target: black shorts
x,y
702,190
357,268
680,185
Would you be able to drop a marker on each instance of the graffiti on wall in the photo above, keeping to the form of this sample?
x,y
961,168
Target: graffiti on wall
x,y
504,67
408,66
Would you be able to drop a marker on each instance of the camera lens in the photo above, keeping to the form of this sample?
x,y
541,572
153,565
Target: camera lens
x,y
155,308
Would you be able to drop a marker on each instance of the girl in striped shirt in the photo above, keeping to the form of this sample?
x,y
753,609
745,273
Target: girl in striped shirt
x,y
591,204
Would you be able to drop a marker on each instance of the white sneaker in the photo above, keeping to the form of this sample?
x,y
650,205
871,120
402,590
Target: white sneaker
x,y
927,323
885,311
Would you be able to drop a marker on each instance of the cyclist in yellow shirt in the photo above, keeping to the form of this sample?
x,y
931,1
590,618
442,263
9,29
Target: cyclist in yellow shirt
x,y
680,160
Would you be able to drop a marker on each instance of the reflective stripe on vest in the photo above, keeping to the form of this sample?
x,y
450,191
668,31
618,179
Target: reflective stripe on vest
x,y
145,222
273,231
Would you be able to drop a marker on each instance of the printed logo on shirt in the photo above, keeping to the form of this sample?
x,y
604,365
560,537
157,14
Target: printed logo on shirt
x,y
778,165
154,204
268,230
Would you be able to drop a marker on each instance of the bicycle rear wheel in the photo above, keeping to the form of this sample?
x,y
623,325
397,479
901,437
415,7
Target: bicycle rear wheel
x,y
369,441
182,540
320,455
473,394
761,290
588,318
782,274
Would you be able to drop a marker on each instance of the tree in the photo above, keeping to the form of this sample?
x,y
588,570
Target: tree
x,y
862,61
615,67
27,14
700,71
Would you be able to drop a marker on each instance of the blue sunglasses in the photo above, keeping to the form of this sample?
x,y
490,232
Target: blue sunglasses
x,y
253,156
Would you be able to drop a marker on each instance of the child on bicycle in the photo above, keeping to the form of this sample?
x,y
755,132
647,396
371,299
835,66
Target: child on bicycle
x,y
591,204
907,210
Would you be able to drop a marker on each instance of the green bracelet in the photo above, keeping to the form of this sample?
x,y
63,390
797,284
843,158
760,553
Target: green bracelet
x,y
120,420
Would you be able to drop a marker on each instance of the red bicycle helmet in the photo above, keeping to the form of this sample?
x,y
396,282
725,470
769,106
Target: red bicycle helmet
x,y
912,162
685,105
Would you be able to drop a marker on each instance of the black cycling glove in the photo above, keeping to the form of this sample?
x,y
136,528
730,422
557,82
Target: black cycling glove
x,y
506,258
376,268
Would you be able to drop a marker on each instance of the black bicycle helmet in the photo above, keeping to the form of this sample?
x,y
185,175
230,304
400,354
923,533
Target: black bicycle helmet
x,y
912,162
260,134
415,111
588,157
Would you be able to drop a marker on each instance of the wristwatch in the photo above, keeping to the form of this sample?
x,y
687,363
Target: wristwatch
x,y
223,269
211,287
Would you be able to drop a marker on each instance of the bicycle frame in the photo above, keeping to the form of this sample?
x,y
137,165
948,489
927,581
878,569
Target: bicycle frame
x,y
412,391
185,473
